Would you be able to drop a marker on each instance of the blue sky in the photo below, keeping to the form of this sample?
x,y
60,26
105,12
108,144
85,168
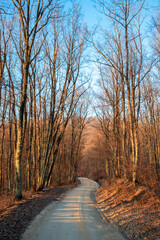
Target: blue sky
x,y
91,15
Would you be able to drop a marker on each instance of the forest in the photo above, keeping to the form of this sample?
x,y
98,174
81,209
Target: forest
x,y
53,125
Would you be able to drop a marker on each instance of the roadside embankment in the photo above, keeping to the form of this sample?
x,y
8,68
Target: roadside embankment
x,y
134,209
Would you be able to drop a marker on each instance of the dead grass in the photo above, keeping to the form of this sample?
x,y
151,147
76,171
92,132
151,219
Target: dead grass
x,y
135,209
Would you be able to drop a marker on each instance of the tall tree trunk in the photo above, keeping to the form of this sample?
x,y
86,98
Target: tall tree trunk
x,y
34,137
18,154
2,141
10,141
124,129
30,140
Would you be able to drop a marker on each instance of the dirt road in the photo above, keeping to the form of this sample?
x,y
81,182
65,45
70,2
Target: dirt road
x,y
75,217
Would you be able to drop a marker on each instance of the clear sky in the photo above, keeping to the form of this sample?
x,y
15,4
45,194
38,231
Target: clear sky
x,y
91,15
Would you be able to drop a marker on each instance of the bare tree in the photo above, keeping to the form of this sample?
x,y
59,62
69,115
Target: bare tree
x,y
124,54
62,96
30,28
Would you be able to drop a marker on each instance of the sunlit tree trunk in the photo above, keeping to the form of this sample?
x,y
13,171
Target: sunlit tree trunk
x,y
30,139
29,35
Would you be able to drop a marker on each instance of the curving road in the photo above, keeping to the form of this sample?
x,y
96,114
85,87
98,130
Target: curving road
x,y
75,217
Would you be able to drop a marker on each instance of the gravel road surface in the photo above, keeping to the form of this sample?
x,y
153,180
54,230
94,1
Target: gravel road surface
x,y
74,217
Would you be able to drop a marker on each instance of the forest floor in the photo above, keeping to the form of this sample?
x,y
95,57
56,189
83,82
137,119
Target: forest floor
x,y
15,216
134,209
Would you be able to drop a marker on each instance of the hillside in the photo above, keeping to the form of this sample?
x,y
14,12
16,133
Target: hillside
x,y
134,209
